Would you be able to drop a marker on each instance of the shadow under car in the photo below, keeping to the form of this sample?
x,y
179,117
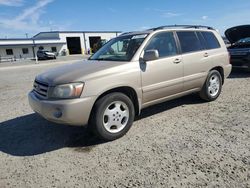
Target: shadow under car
x,y
30,135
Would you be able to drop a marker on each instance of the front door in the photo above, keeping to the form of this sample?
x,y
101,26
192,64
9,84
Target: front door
x,y
162,77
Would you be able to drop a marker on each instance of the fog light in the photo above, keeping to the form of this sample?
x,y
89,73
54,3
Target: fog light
x,y
57,114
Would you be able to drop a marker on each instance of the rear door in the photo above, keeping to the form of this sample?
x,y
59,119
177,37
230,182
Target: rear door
x,y
213,49
195,59
162,77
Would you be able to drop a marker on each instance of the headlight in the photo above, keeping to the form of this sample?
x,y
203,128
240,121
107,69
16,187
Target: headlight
x,y
67,91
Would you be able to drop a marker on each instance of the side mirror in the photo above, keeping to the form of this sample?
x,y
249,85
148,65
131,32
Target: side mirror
x,y
150,55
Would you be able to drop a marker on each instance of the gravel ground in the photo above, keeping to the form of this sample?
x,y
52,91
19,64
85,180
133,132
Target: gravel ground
x,y
59,59
181,143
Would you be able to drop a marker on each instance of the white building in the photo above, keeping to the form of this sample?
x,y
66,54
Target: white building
x,y
62,42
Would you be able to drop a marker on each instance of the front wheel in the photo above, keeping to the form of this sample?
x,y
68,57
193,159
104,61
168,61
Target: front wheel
x,y
112,116
212,87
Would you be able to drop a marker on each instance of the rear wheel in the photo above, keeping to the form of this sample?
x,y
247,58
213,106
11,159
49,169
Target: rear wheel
x,y
112,117
212,87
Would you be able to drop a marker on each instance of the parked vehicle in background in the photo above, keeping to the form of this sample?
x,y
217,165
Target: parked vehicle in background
x,y
43,55
131,72
239,37
226,41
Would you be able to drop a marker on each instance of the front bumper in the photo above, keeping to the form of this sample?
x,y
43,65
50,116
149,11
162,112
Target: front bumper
x,y
70,111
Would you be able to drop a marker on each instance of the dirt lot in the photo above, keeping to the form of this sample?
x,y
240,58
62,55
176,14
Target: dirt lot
x,y
182,143
58,60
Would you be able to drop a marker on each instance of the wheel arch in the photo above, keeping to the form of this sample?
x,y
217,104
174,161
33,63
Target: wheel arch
x,y
221,71
126,90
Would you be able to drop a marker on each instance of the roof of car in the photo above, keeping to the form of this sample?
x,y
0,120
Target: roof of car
x,y
169,27
182,27
136,33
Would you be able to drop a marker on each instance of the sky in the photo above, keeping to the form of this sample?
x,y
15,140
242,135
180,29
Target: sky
x,y
21,18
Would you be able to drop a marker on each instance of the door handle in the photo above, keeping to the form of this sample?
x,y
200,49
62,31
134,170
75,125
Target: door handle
x,y
206,54
176,61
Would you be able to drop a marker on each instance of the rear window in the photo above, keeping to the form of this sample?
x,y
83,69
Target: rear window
x,y
189,41
211,40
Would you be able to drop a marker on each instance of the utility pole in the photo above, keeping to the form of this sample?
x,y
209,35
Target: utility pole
x,y
34,52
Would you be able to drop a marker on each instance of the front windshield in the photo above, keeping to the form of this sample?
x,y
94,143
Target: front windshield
x,y
121,48
244,40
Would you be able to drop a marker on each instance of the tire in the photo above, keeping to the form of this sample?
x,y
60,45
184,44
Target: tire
x,y
212,87
112,116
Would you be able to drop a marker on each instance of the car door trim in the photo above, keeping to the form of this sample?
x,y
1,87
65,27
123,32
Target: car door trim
x,y
162,85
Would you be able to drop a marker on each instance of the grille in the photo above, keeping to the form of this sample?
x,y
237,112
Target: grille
x,y
41,89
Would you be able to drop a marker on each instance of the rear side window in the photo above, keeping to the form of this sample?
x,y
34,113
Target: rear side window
x,y
164,43
211,40
189,41
202,40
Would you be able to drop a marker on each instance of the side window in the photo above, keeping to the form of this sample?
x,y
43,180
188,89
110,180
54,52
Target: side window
x,y
202,40
25,50
53,49
9,51
211,40
164,43
189,41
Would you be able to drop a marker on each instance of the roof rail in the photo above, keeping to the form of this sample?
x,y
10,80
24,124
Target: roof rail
x,y
126,33
182,26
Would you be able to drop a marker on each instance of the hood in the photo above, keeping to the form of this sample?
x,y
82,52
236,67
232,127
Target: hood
x,y
78,72
236,33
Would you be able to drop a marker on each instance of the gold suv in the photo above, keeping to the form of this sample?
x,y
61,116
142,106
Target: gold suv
x,y
133,71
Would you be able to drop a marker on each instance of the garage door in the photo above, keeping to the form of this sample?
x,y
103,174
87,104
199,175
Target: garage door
x,y
74,45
